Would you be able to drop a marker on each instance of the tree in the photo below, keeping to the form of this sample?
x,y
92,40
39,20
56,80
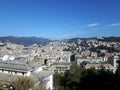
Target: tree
x,y
99,80
78,78
22,83
70,79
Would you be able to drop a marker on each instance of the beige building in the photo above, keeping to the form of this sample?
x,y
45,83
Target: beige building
x,y
58,68
100,66
90,60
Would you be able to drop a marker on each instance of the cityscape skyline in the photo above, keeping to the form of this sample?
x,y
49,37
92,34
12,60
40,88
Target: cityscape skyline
x,y
59,19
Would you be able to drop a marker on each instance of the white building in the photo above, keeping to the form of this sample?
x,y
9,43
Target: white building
x,y
16,68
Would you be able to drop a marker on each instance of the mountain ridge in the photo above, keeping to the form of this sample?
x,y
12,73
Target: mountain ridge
x,y
106,39
39,40
25,40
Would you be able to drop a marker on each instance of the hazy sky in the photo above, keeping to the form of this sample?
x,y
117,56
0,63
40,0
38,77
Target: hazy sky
x,y
58,19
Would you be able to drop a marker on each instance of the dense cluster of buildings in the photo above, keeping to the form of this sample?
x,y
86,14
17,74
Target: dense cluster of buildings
x,y
40,62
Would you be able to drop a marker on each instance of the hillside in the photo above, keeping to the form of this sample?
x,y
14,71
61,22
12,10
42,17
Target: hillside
x,y
24,40
106,39
110,39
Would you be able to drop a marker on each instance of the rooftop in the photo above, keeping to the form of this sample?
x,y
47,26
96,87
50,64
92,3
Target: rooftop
x,y
41,75
18,65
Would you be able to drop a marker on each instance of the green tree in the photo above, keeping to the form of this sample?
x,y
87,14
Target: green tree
x,y
70,79
99,80
78,78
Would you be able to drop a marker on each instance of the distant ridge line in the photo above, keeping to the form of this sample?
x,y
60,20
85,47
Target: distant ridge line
x,y
25,40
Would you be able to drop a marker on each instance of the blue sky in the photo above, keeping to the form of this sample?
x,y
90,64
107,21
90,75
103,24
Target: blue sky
x,y
60,19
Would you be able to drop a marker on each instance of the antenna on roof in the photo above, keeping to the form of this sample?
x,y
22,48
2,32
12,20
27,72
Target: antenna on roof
x,y
12,58
5,57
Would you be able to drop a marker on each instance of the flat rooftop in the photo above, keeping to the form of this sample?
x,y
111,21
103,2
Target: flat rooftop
x,y
18,66
41,75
